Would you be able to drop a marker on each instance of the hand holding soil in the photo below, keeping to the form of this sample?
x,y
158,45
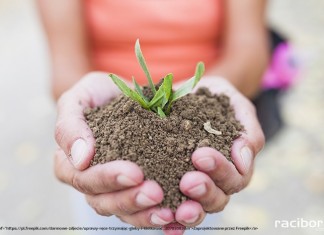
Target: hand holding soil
x,y
144,146
119,188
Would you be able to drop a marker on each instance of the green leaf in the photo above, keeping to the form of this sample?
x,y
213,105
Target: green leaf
x,y
161,113
157,99
141,60
167,87
128,92
121,85
187,87
162,95
138,89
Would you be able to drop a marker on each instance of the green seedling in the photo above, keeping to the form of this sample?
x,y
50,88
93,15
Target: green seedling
x,y
164,96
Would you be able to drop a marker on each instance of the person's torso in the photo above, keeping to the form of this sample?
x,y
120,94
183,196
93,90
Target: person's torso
x,y
174,35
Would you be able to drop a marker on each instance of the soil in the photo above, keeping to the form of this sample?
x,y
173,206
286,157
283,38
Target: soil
x,y
162,147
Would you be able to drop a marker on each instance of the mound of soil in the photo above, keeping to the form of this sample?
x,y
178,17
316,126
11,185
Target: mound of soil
x,y
162,147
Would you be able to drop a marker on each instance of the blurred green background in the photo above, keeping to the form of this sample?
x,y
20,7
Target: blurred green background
x,y
289,175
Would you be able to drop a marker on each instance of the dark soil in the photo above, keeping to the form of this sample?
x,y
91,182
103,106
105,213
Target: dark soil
x,y
163,147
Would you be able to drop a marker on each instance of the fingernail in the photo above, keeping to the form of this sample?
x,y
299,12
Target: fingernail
x,y
198,190
144,200
125,181
191,220
246,155
206,163
155,219
79,151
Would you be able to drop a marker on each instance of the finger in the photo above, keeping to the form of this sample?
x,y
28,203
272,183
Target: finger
x,y
174,229
190,213
199,187
220,170
102,178
71,132
128,201
153,217
252,139
216,85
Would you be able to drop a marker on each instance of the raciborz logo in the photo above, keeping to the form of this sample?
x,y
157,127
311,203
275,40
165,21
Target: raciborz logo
x,y
299,223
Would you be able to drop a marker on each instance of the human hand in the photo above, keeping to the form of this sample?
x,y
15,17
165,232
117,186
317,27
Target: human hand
x,y
216,179
114,188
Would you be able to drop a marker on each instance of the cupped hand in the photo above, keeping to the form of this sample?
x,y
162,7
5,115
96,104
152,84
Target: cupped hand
x,y
216,179
118,187
114,188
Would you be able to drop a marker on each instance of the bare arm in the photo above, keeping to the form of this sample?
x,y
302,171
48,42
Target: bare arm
x,y
245,52
64,26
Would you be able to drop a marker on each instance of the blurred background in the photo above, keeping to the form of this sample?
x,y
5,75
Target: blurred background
x,y
289,175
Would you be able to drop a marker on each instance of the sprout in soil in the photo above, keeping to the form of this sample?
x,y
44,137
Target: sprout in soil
x,y
163,97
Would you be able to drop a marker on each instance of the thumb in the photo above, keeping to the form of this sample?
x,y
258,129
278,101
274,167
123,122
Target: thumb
x,y
72,133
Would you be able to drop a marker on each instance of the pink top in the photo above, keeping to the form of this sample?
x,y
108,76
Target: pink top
x,y
174,35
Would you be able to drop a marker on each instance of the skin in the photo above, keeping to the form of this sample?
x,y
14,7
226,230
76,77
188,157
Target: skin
x,y
68,44
245,55
117,188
